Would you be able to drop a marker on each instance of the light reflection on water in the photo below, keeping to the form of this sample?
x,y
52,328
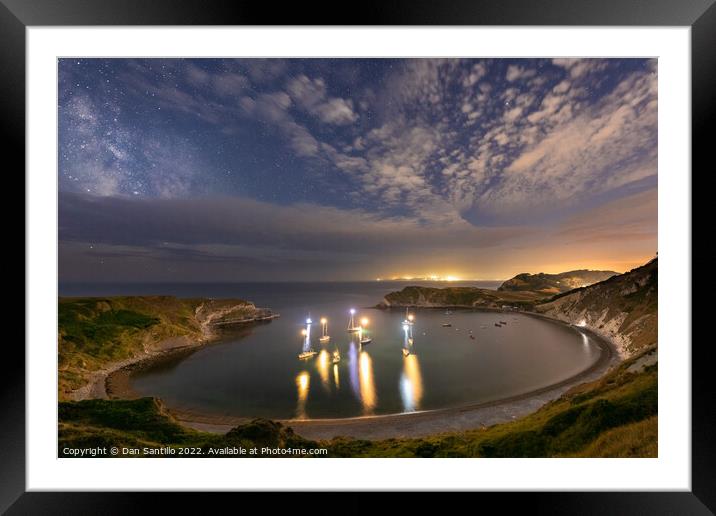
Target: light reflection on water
x,y
303,383
367,383
411,383
322,366
427,366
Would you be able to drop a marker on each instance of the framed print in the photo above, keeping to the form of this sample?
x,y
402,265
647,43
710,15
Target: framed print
x,y
420,252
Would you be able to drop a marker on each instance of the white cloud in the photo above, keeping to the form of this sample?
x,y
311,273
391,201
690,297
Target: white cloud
x,y
587,153
516,73
312,96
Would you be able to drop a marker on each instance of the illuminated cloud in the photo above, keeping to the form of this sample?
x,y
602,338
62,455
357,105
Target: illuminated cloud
x,y
474,157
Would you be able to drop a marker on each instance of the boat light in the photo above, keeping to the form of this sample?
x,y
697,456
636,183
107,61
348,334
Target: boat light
x,y
353,311
410,317
309,321
364,322
304,332
405,327
323,320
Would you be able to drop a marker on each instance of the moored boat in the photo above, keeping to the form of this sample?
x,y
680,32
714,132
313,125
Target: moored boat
x,y
364,339
352,328
324,330
409,318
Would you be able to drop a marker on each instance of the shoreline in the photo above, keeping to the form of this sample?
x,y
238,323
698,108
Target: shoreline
x,y
112,380
428,422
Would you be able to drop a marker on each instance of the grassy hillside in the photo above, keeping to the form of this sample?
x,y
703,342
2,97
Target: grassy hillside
x,y
469,297
142,422
555,283
93,332
612,417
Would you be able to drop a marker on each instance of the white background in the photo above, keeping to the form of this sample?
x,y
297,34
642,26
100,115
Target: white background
x,y
670,471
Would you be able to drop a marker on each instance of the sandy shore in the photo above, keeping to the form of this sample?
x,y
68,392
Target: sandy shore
x,y
418,424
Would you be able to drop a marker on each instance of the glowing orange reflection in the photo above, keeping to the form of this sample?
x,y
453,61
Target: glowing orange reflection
x,y
303,383
322,364
411,383
367,382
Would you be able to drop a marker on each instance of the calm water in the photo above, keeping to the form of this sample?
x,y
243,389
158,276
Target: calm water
x,y
256,372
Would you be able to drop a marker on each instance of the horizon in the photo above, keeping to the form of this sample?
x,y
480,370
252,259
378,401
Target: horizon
x,y
374,280
348,170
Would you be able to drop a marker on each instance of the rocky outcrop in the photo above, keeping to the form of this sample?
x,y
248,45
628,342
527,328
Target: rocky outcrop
x,y
555,283
622,308
214,314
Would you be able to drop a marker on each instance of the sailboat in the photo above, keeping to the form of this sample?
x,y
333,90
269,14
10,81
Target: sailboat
x,y
324,331
409,318
366,339
352,328
307,352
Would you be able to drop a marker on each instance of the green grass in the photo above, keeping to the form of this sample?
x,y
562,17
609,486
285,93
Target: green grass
x,y
142,423
635,440
95,331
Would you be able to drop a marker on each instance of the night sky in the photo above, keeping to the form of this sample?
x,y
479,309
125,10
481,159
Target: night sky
x,y
341,169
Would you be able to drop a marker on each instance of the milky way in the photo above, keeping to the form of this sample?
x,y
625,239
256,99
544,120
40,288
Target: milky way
x,y
479,167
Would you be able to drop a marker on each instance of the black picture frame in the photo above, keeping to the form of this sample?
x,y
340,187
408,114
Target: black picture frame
x,y
700,15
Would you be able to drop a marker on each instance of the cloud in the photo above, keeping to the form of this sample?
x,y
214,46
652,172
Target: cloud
x,y
312,96
440,140
240,239
516,73
566,149
632,218
229,228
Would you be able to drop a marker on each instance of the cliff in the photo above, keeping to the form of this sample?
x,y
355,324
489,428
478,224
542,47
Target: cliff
x,y
555,283
96,334
622,308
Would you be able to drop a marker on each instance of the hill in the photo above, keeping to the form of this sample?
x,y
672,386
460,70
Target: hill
x,y
457,297
555,283
623,308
